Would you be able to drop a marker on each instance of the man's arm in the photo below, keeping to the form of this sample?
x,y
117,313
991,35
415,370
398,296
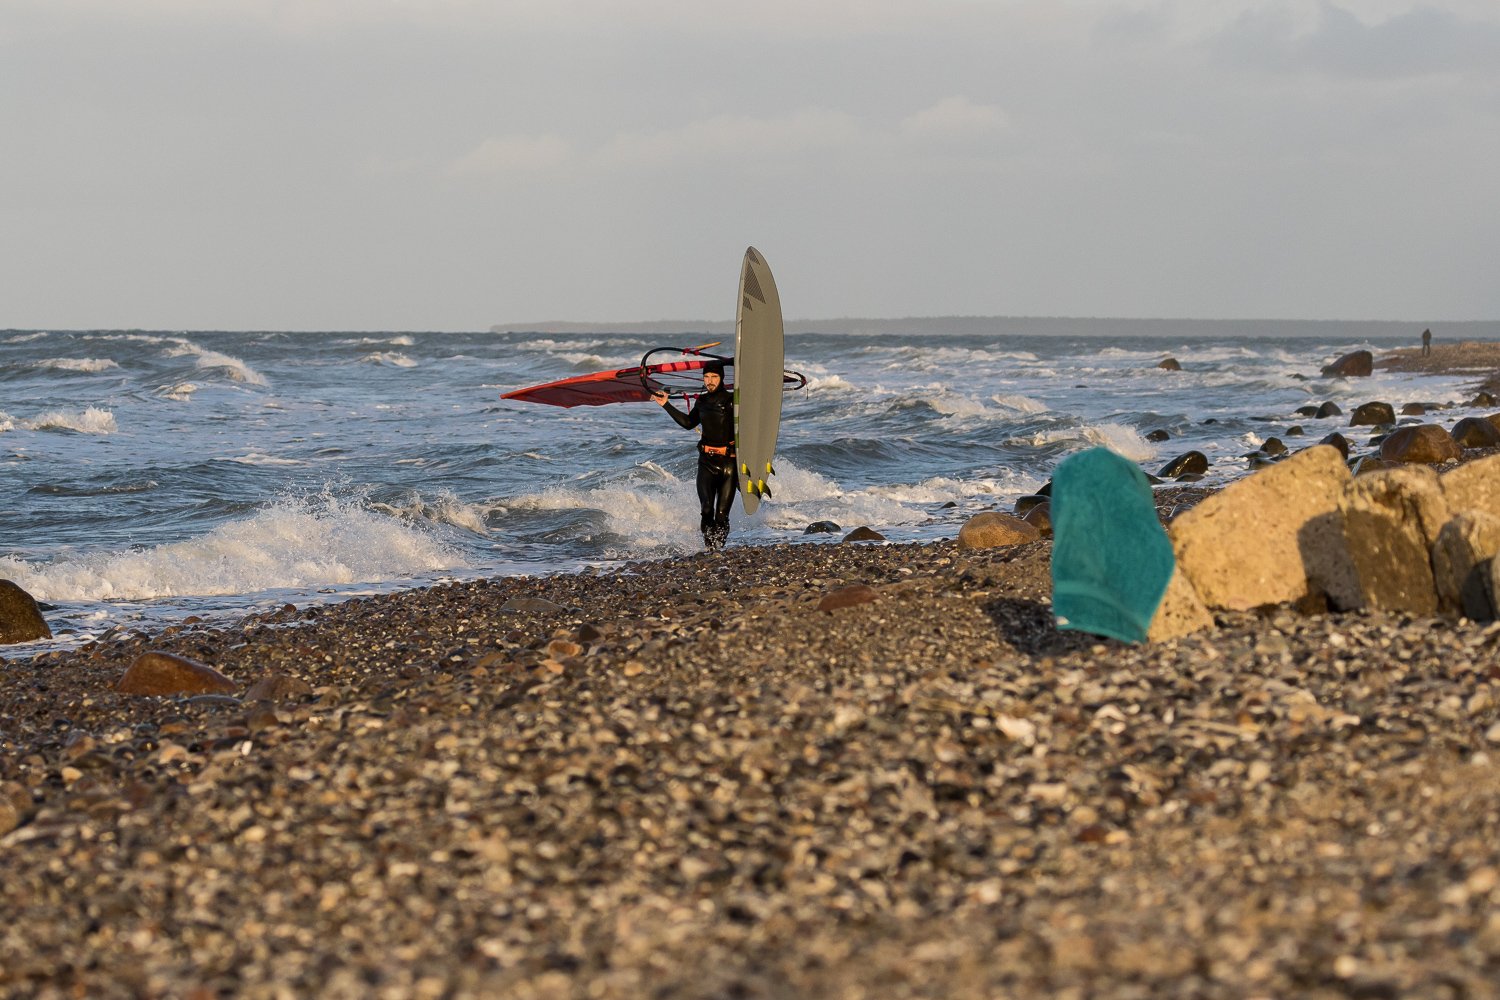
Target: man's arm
x,y
687,420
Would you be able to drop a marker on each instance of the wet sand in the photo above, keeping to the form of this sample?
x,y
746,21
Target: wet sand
x,y
683,779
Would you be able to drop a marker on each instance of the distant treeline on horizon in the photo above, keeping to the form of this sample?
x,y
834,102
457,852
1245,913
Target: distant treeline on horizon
x,y
1051,326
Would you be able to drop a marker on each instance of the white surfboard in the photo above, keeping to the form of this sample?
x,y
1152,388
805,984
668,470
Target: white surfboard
x,y
759,360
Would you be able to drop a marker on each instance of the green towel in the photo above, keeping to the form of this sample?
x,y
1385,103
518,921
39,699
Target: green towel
x,y
1111,559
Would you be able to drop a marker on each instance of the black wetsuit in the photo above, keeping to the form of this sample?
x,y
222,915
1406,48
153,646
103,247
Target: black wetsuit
x,y
716,479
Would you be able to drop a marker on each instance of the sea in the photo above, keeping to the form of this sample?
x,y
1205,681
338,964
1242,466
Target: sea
x,y
149,477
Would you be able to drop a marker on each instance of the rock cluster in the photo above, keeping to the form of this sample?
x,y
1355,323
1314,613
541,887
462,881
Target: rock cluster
x,y
20,618
1306,532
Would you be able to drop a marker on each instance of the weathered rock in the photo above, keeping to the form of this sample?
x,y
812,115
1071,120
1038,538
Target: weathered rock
x,y
1329,409
158,673
1338,441
1424,443
1026,503
1482,399
1295,431
1248,544
1353,364
1474,486
864,533
20,618
1273,446
1040,518
1181,611
279,687
993,529
1366,464
848,597
1461,564
1307,411
1372,414
1157,436
822,528
1413,410
1170,364
1188,462
1476,432
1388,523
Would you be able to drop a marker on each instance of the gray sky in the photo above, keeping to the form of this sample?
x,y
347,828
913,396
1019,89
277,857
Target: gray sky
x,y
451,164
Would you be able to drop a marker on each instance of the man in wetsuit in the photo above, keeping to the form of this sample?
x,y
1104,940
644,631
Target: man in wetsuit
x,y
714,410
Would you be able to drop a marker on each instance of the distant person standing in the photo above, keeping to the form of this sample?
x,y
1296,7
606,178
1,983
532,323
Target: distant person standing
x,y
1426,342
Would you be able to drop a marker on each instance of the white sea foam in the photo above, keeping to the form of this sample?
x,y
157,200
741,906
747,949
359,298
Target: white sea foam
x,y
401,341
1019,403
1124,441
89,365
206,360
22,338
259,458
7,422
89,421
292,544
445,508
181,392
829,383
393,359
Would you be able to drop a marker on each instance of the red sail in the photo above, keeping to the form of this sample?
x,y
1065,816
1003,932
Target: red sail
x,y
623,385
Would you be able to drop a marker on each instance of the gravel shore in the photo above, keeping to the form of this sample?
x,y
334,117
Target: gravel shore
x,y
685,778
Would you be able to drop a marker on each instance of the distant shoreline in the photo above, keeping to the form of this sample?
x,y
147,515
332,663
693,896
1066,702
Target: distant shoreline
x,y
1045,326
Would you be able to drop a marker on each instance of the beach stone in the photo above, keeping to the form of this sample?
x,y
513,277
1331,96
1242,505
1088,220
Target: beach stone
x,y
1366,464
279,687
1170,364
1307,411
1026,503
864,533
822,528
1462,564
1372,414
1425,443
20,618
1249,544
158,673
1474,486
1181,611
1157,436
1188,462
1338,441
1389,522
1413,410
1273,446
1476,432
993,529
1295,431
1482,399
1040,518
847,597
532,605
1329,409
1353,364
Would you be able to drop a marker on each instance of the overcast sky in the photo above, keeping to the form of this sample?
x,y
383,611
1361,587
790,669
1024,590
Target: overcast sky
x,y
452,164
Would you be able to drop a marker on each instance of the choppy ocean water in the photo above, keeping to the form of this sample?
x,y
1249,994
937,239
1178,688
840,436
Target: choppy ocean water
x,y
147,477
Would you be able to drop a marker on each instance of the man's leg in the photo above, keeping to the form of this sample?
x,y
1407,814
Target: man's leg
x,y
723,499
708,493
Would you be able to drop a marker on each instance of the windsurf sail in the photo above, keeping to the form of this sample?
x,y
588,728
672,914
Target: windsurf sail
x,y
677,371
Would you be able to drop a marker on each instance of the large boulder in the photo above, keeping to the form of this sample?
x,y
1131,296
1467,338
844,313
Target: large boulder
x,y
1249,544
1474,486
993,529
158,673
1188,463
1388,522
20,618
1329,409
1372,415
1355,363
1170,364
1181,611
1462,564
1476,432
1338,441
1425,443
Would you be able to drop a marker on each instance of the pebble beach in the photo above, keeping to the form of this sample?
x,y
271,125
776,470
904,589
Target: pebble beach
x,y
775,771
